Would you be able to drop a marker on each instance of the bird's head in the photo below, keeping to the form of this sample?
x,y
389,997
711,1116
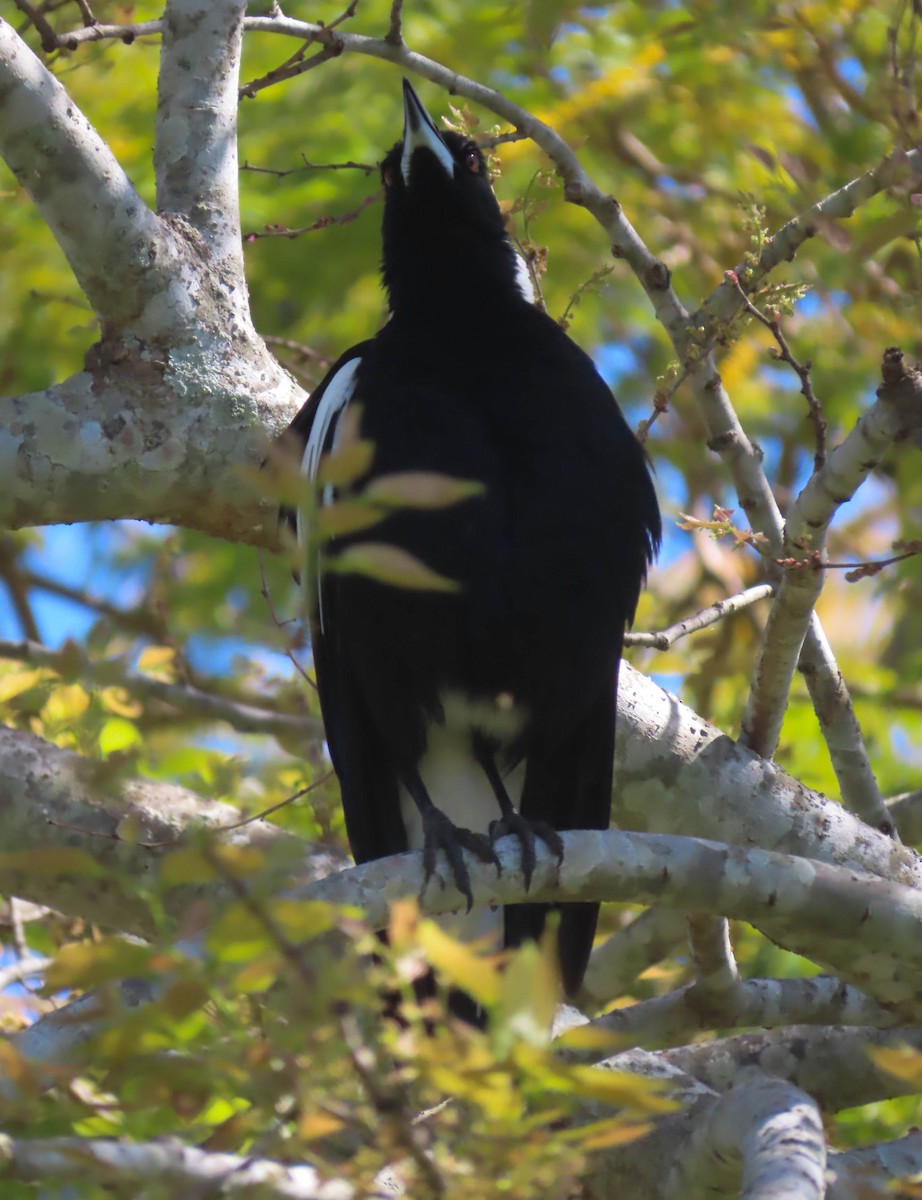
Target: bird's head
x,y
443,228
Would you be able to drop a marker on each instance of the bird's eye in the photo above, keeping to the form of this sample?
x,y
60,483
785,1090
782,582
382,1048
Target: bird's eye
x,y
472,161
387,176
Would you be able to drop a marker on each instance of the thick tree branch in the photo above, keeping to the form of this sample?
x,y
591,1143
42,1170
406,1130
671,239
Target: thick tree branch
x,y
617,963
678,1016
168,1163
874,1172
832,1064
896,415
195,154
764,1139
160,441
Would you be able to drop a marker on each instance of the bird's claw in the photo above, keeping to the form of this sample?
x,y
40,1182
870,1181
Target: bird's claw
x,y
442,834
527,831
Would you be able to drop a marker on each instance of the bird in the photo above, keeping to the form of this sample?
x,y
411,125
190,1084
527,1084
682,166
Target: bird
x,y
458,714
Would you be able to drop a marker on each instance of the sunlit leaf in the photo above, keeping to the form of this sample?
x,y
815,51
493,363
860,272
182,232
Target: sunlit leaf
x,y
389,564
420,489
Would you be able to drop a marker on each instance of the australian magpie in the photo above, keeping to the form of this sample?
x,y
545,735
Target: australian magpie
x,y
455,717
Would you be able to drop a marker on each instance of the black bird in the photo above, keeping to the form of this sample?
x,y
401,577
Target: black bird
x,y
456,717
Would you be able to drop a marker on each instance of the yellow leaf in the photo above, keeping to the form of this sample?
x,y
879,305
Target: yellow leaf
x,y
88,964
66,703
117,700
16,681
390,564
346,516
318,1125
346,464
56,860
158,661
902,1062
421,489
601,1135
303,919
403,923
459,965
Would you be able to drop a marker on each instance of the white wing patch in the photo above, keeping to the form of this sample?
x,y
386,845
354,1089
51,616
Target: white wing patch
x,y
523,278
322,437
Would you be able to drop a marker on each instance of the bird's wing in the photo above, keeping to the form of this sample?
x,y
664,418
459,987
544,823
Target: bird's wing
x,y
314,428
568,785
366,774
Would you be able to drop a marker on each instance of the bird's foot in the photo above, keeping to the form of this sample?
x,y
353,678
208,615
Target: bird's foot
x,y
527,831
442,834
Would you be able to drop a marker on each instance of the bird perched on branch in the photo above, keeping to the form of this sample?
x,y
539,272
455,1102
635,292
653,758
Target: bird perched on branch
x,y
467,641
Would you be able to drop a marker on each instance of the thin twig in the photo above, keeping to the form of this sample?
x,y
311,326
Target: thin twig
x,y
290,69
86,12
701,620
42,26
802,370
320,223
274,808
279,623
306,165
394,33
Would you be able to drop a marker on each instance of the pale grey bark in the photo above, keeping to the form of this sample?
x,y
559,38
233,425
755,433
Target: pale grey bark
x,y
676,1017
761,1141
617,962
874,1172
833,1064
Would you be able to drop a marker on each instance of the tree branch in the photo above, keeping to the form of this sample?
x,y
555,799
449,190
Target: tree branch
x,y
195,153
169,1163
164,441
764,1139
701,620
896,415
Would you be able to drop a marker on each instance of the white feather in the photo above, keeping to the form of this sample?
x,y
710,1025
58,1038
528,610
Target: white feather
x,y
324,434
523,278
458,787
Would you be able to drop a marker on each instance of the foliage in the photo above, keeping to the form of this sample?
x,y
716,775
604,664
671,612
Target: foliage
x,y
713,123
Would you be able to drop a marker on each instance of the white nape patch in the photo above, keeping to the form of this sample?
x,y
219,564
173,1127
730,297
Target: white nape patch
x,y
426,135
523,279
457,785
323,436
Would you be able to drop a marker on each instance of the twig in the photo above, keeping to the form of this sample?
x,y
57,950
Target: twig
x,y
306,165
274,808
394,33
701,620
389,1106
320,223
290,69
296,347
86,12
279,624
41,23
802,370
856,570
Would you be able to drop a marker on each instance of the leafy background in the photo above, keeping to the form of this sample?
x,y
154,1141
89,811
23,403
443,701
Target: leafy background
x,y
711,122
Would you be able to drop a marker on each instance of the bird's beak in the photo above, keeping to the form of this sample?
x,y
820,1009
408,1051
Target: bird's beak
x,y
418,132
